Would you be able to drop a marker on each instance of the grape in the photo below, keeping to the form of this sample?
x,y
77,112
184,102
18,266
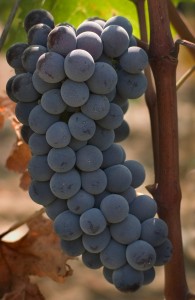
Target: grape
x,y
40,120
56,207
65,185
106,59
67,24
122,132
66,225
38,144
119,100
50,67
113,119
26,133
30,57
99,198
91,42
62,40
143,207
111,95
81,127
149,276
40,192
42,86
23,89
120,21
14,53
96,243
91,260
108,274
58,135
140,255
125,106
96,107
112,156
94,182
71,109
131,86
134,60
80,202
98,20
113,256
129,194
127,231
52,102
61,159
89,26
103,80
163,253
92,221
9,89
102,138
22,111
115,208
74,93
79,65
137,171
73,248
37,35
89,158
39,169
37,16
133,41
115,40
154,231
119,178
76,144
127,279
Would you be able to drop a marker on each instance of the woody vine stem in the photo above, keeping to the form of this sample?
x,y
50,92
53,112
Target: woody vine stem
x,y
163,114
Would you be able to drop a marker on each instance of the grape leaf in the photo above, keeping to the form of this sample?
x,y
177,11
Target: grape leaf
x,y
25,181
2,120
7,108
37,253
74,11
19,158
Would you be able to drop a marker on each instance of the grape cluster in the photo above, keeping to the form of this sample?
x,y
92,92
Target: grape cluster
x,y
71,88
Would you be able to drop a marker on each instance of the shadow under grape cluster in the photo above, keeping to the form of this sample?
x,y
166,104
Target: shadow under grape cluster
x,y
72,88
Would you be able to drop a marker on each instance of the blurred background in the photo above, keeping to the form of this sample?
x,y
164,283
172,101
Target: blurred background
x,y
85,284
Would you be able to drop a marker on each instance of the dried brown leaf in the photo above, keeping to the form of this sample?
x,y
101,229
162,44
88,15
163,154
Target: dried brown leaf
x,y
7,107
19,158
25,181
37,253
24,290
2,120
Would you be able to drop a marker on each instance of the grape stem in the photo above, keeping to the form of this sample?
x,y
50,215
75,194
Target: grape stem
x,y
166,190
9,23
150,95
179,23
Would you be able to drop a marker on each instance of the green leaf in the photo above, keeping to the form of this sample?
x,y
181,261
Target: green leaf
x,y
72,11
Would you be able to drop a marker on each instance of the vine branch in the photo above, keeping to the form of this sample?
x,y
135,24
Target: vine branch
x,y
185,77
179,25
150,95
167,190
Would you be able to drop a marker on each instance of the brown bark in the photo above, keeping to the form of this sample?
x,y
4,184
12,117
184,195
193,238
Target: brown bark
x,y
167,189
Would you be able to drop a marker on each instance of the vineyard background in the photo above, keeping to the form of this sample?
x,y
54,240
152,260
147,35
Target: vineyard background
x,y
16,205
